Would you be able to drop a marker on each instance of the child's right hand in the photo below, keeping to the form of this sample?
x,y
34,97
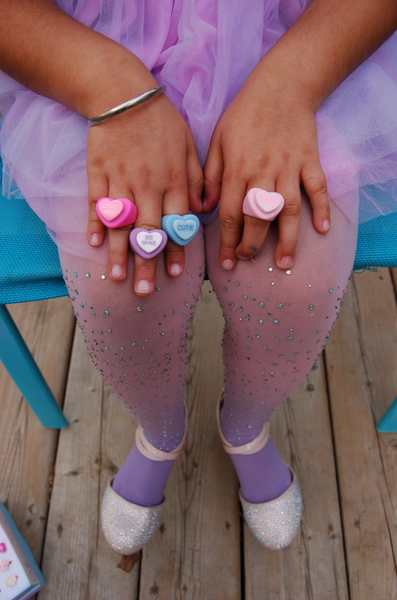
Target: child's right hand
x,y
148,155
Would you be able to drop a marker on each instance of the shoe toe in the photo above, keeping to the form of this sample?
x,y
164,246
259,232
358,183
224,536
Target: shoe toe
x,y
127,527
275,523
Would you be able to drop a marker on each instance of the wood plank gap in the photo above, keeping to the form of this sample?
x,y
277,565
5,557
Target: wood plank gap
x,y
393,273
337,473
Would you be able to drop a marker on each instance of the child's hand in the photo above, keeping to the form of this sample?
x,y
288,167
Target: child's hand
x,y
266,138
147,155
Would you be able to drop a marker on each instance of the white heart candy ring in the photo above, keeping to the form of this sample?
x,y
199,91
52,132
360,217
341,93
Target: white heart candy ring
x,y
263,205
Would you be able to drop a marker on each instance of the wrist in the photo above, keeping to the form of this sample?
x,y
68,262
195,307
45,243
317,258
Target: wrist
x,y
114,79
283,76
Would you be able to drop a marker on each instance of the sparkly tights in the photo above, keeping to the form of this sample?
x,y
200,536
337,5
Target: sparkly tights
x,y
276,325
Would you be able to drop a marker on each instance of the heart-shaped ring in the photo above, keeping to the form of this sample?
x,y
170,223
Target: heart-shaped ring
x,y
116,213
263,205
180,229
147,243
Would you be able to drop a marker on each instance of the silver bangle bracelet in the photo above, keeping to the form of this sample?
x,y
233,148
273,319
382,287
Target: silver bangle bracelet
x,y
117,110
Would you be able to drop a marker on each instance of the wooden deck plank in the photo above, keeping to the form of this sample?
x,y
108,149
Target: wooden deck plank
x,y
77,564
313,567
197,555
365,471
27,449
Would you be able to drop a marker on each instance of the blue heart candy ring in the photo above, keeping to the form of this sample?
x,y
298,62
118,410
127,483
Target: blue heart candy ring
x,y
180,229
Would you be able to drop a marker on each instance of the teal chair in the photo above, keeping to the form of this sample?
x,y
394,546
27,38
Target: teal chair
x,y
30,270
377,246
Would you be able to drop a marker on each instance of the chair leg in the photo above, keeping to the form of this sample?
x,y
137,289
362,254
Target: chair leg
x,y
20,364
388,423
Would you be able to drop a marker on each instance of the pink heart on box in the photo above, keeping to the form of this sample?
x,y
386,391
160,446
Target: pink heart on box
x,y
110,209
3,548
267,201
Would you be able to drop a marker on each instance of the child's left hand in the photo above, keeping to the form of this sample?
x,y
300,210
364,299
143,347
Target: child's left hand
x,y
266,138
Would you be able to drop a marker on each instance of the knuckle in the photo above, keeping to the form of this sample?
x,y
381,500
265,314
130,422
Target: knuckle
x,y
145,175
291,210
146,268
228,222
290,190
210,188
173,249
320,188
208,183
316,182
174,176
92,200
196,180
177,189
95,163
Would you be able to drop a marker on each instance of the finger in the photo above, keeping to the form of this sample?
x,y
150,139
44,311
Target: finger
x,y
255,230
175,202
149,217
98,187
118,251
231,219
195,177
288,222
315,184
213,173
119,238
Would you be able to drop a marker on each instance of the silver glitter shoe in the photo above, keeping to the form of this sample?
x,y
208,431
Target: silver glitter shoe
x,y
273,523
127,527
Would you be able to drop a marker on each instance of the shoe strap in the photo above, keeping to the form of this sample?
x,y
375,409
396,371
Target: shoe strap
x,y
148,450
251,447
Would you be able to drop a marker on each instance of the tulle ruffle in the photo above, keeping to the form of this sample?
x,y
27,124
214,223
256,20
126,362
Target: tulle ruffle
x,y
203,50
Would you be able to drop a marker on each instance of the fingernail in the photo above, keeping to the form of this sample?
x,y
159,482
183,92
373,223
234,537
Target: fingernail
x,y
205,202
116,271
143,286
95,239
175,269
326,224
240,257
228,264
286,261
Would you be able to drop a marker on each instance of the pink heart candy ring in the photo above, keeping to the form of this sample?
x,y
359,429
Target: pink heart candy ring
x,y
116,213
147,243
263,205
3,547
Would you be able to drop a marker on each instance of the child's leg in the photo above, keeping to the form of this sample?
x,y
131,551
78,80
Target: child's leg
x,y
276,325
139,347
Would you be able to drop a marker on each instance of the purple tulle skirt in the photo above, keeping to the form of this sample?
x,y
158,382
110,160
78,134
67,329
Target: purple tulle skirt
x,y
203,50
